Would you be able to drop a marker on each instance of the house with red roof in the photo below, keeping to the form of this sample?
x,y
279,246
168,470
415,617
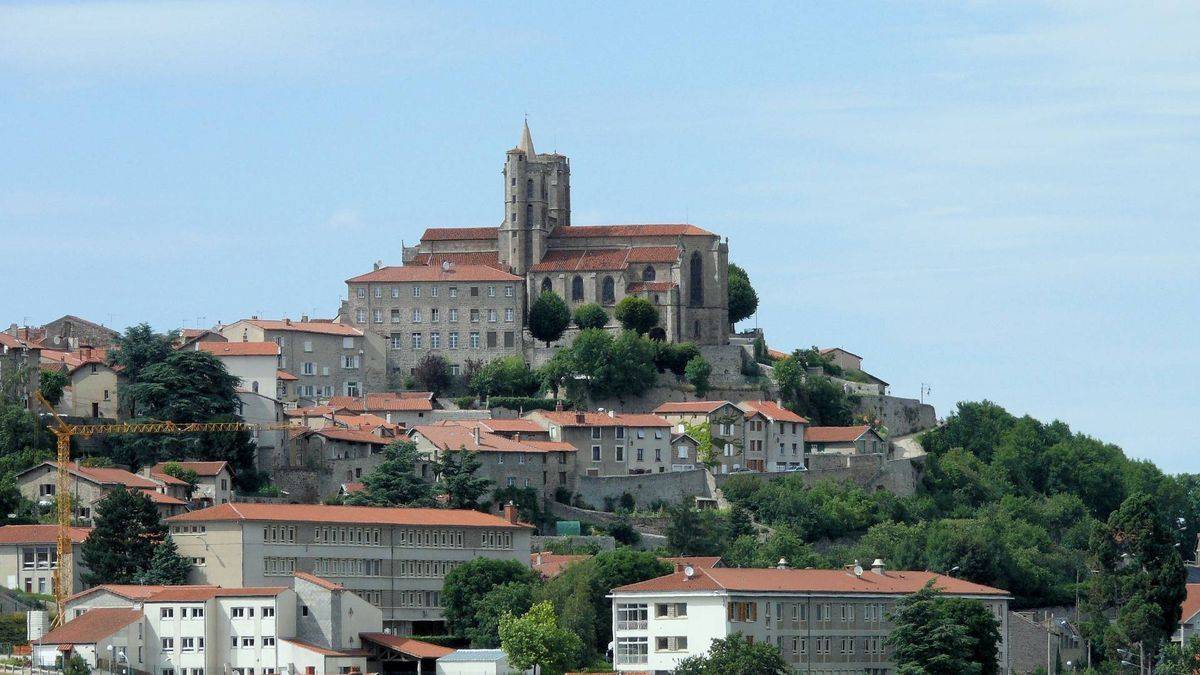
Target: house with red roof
x,y
91,484
833,621
774,437
859,439
726,424
214,481
29,556
611,444
409,408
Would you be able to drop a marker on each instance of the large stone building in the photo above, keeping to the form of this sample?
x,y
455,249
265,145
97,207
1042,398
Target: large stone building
x,y
394,558
832,622
680,268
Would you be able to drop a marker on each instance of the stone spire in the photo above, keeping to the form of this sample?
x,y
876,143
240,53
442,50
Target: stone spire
x,y
526,143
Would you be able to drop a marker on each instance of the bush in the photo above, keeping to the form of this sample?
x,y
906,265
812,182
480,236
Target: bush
x,y
562,495
464,402
526,403
628,503
507,376
623,532
433,373
590,315
698,371
674,357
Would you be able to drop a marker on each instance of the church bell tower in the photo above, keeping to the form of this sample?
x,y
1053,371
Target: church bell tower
x,y
537,199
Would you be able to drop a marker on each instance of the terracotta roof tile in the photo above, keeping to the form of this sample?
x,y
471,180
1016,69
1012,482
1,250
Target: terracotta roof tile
x,y
107,476
772,410
160,498
701,561
285,375
1191,603
450,437
414,648
550,565
684,407
385,401
652,230
208,469
435,273
137,592
314,579
654,254
570,260
835,434
809,581
39,534
320,327
460,233
354,487
239,348
350,435
489,258
92,626
318,513
202,593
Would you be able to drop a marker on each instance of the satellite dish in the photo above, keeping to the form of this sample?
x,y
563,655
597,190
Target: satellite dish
x,y
689,571
445,265
858,570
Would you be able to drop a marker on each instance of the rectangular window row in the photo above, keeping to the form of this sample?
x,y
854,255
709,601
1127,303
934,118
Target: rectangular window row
x,y
475,340
364,536
419,599
424,568
432,291
423,538
347,567
279,566
496,539
279,534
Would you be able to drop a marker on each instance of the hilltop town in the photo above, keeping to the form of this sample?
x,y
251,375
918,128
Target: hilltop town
x,y
529,412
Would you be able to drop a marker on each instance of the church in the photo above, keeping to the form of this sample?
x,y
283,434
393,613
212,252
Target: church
x,y
680,268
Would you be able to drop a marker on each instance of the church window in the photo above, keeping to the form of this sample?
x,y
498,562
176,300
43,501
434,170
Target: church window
x,y
547,286
577,288
696,329
529,188
696,278
648,273
528,214
608,291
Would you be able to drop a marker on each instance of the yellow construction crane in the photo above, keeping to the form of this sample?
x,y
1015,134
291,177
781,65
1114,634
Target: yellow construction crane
x,y
64,432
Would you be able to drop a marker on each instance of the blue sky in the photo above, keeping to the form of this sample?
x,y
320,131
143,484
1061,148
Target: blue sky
x,y
999,199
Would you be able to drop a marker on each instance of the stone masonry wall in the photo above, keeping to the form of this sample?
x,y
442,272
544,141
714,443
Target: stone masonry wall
x,y
670,487
901,416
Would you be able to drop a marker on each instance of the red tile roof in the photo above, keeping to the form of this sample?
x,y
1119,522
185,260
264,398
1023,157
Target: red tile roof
x,y
348,435
684,407
808,581
39,534
460,233
654,254
489,258
653,230
314,579
239,348
105,476
137,592
772,410
435,273
202,593
1191,603
321,327
503,425
311,411
285,375
695,561
325,651
318,513
209,469
571,260
414,648
354,487
385,401
92,626
601,419
160,498
550,565
835,434
449,437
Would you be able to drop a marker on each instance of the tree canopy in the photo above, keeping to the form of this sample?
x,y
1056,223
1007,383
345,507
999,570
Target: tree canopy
x,y
432,373
549,316
167,567
464,588
935,635
735,655
590,315
535,640
126,532
698,371
136,349
52,384
505,376
457,479
743,301
636,314
601,366
394,482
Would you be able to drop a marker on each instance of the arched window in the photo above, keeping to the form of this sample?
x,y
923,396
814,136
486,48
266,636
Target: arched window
x,y
608,292
529,189
696,281
546,285
577,288
648,273
696,329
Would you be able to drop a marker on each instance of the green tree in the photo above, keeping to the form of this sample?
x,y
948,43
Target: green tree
x,y
177,470
167,567
457,479
743,301
510,598
1180,659
674,357
698,371
466,585
740,523
933,636
506,376
136,349
126,532
1135,597
527,500
590,315
692,531
630,371
24,439
432,373
636,314
735,655
52,384
394,482
549,316
535,640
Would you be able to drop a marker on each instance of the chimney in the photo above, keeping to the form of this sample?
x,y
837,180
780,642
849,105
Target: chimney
x,y
877,567
612,414
558,406
510,512
375,266
287,321
518,439
475,434
303,318
782,564
579,418
539,560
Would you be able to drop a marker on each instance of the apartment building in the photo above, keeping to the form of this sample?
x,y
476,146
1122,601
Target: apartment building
x,y
29,557
255,364
727,427
91,389
89,485
457,311
395,558
774,437
610,444
518,462
327,359
214,482
304,625
825,622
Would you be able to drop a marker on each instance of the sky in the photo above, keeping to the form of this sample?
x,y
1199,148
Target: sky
x,y
997,199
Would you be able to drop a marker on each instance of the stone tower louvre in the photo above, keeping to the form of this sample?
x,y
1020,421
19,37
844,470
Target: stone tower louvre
x,y
537,200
